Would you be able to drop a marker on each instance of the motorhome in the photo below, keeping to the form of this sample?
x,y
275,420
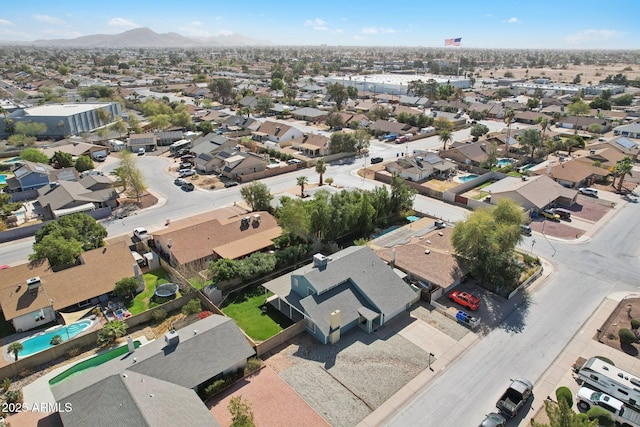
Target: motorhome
x,y
610,379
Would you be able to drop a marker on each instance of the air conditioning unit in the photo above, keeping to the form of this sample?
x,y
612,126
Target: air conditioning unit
x,y
33,283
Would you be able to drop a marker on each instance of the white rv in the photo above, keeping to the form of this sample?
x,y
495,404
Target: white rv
x,y
610,379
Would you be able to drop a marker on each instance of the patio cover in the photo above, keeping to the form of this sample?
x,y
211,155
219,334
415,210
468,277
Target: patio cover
x,y
74,316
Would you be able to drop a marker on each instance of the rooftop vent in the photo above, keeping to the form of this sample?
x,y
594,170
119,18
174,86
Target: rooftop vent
x,y
33,283
320,260
171,338
256,218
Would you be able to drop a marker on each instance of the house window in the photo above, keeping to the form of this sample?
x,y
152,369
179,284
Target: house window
x,y
39,316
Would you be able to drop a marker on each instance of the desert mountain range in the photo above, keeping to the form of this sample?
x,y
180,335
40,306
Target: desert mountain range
x,y
144,37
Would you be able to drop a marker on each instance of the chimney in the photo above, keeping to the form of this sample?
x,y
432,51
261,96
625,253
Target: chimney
x,y
319,261
334,326
171,338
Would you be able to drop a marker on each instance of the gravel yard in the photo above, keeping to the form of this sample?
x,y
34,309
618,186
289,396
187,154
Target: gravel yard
x,y
347,381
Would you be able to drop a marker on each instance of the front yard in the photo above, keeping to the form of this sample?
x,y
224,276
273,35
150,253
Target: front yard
x,y
145,300
245,307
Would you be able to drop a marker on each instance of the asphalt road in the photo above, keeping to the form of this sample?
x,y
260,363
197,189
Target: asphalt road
x,y
534,334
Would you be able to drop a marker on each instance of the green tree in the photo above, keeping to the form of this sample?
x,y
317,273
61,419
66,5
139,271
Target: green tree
x,y
206,127
301,181
478,130
600,104
241,413
578,108
160,121
342,142
442,123
62,160
84,163
221,89
181,119
623,168
126,287
338,94
321,168
15,348
509,117
223,269
111,331
119,126
561,415
595,128
487,240
573,142
79,227
129,174
352,92
264,104
31,129
57,250
257,196
104,116
294,218
334,121
361,140
134,124
445,137
192,307
34,155
56,339
533,103
277,84
402,197
530,139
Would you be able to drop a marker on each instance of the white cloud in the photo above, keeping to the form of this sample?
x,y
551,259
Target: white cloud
x,y
375,30
593,35
5,22
121,22
47,19
513,20
225,33
317,24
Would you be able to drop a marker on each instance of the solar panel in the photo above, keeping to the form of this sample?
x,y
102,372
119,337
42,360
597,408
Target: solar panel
x,y
626,143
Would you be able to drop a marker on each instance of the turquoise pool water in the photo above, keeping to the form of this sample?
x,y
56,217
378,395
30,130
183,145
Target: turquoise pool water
x,y
527,167
15,159
42,341
385,231
467,177
504,162
3,179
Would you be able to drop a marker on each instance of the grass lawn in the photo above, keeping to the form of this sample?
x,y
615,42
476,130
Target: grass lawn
x,y
246,309
144,300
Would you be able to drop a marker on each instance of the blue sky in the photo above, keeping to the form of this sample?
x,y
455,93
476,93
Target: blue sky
x,y
545,24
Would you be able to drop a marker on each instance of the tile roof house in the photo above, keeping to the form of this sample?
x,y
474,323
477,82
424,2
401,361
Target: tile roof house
x,y
76,149
419,168
233,123
573,174
468,154
279,132
631,130
31,176
157,384
66,197
533,194
235,164
207,147
385,126
312,145
221,233
621,144
309,114
351,288
96,275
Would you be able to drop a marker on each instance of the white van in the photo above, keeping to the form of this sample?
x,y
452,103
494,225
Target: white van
x,y
141,151
186,172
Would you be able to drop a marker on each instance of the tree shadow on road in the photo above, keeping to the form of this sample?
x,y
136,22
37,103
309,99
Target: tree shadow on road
x,y
516,320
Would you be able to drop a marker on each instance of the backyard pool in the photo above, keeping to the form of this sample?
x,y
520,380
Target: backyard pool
x,y
42,341
14,160
467,177
385,231
3,178
504,162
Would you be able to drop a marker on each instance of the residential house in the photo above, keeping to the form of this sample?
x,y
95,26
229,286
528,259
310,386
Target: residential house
x,y
622,145
429,256
583,123
196,90
490,109
77,149
28,304
309,114
419,168
467,154
236,123
530,117
533,193
148,141
249,101
168,137
385,127
631,130
235,164
222,233
68,197
351,288
456,120
604,156
277,132
312,145
157,384
207,147
573,173
31,176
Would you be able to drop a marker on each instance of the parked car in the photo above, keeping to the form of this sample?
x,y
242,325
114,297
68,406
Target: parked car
x,y
618,411
141,151
141,233
186,172
525,229
587,191
375,160
100,158
185,165
563,213
465,299
188,186
294,161
549,214
179,182
230,184
494,420
515,397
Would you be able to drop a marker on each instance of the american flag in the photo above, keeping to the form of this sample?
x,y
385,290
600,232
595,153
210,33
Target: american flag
x,y
453,42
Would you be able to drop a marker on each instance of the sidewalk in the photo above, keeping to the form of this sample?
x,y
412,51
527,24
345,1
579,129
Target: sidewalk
x,y
583,344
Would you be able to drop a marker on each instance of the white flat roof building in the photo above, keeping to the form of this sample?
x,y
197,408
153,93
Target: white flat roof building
x,y
394,84
63,110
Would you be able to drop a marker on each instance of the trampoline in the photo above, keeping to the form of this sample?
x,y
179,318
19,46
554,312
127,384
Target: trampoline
x,y
166,290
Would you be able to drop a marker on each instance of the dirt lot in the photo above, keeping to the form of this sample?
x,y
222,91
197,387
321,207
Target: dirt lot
x,y
344,382
620,318
588,73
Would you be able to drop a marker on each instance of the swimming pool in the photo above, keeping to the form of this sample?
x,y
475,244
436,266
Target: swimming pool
x,y
42,341
3,178
467,177
385,231
14,160
504,162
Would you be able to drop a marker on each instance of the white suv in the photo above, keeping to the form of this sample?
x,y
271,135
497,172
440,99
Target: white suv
x,y
588,191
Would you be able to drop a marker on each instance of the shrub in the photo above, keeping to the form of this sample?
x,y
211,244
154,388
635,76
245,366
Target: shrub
x,y
158,315
214,388
253,364
627,336
606,359
13,396
55,340
6,383
192,307
635,323
564,393
72,352
602,415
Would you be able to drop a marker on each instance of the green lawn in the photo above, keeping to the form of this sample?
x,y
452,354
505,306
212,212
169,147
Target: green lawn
x,y
246,309
144,300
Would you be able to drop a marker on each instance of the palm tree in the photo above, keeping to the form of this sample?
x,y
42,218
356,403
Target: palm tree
x,y
543,122
15,348
302,180
445,137
321,168
112,330
509,115
623,168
